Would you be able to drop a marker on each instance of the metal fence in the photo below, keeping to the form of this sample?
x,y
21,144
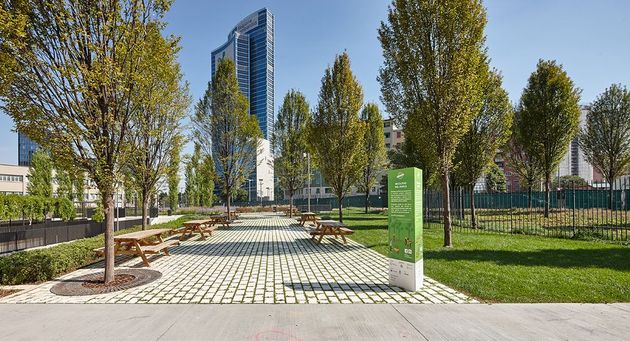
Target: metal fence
x,y
575,211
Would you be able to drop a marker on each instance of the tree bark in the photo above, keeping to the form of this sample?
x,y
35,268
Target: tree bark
x,y
547,196
473,216
340,209
108,206
145,208
290,206
446,203
367,201
611,192
529,197
228,202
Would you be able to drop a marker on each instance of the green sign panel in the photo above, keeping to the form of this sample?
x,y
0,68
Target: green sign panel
x,y
404,193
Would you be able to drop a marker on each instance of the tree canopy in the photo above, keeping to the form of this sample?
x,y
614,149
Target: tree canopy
x,y
373,149
336,134
548,118
431,81
289,143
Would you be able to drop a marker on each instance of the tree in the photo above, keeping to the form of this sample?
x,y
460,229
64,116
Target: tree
x,y
434,60
190,188
571,181
488,132
373,149
522,164
548,118
289,143
40,176
162,102
172,176
80,66
605,139
226,130
205,181
336,133
64,183
12,29
495,179
409,155
78,182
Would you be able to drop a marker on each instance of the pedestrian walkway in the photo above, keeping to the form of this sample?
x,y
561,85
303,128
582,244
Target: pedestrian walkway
x,y
297,322
260,259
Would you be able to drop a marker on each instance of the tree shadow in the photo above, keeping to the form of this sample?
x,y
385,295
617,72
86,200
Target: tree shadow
x,y
614,259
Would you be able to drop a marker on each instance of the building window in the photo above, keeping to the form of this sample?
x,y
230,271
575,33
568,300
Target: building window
x,y
386,135
386,124
398,134
387,145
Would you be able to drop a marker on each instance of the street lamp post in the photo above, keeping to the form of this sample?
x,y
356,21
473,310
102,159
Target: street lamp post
x,y
261,190
249,191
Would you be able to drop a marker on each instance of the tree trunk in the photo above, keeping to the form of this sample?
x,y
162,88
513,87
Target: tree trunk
x,y
228,202
529,197
446,203
340,209
547,196
473,216
108,206
367,201
145,208
611,192
290,206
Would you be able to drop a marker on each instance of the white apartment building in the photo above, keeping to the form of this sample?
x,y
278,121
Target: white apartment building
x,y
14,180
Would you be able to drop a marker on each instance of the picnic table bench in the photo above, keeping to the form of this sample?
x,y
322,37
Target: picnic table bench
x,y
308,216
330,228
141,243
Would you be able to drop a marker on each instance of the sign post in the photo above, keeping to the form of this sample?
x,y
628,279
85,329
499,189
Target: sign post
x,y
404,192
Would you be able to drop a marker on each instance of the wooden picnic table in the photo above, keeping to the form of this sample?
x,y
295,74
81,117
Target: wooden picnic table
x,y
292,211
141,243
308,216
330,228
201,226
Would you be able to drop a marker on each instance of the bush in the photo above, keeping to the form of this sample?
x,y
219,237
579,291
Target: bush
x,y
99,212
45,264
64,209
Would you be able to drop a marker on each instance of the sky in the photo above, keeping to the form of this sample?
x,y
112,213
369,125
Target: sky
x,y
588,37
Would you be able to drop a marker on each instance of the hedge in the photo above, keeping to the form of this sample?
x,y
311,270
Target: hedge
x,y
45,264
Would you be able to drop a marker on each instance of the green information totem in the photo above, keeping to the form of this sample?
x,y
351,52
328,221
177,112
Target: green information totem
x,y
404,194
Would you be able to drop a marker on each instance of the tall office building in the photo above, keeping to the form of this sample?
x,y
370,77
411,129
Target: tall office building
x,y
251,46
26,147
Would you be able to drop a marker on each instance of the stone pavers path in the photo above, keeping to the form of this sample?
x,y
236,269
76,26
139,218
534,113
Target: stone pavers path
x,y
260,259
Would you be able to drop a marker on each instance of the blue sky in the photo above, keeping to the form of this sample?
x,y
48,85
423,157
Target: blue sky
x,y
588,37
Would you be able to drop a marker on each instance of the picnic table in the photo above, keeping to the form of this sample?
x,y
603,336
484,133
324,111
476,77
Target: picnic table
x,y
233,215
141,243
330,228
201,226
292,211
308,216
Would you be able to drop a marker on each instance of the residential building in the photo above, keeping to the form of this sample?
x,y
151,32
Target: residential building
x,y
14,180
574,161
394,136
250,45
26,148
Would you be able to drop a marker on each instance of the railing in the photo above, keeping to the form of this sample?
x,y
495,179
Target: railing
x,y
574,212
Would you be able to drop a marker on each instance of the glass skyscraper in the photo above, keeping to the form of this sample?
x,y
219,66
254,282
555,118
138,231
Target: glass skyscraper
x,y
26,147
251,46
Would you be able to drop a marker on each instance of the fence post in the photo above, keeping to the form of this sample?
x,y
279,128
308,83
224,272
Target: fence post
x,y
573,209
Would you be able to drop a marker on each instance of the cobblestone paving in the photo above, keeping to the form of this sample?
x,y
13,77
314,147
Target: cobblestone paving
x,y
260,259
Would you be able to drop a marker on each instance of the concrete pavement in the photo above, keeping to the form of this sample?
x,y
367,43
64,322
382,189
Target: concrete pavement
x,y
315,322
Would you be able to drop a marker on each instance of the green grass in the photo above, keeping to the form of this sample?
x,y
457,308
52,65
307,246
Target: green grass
x,y
513,268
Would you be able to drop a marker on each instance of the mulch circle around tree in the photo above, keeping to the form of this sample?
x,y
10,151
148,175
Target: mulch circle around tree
x,y
92,284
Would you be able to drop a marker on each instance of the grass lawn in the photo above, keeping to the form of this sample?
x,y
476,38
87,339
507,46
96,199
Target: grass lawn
x,y
513,268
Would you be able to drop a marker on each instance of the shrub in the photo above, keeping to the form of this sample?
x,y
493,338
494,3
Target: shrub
x,y
13,204
99,212
45,264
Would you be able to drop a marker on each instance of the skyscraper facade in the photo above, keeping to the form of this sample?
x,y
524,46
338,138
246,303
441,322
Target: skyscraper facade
x,y
251,46
26,148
